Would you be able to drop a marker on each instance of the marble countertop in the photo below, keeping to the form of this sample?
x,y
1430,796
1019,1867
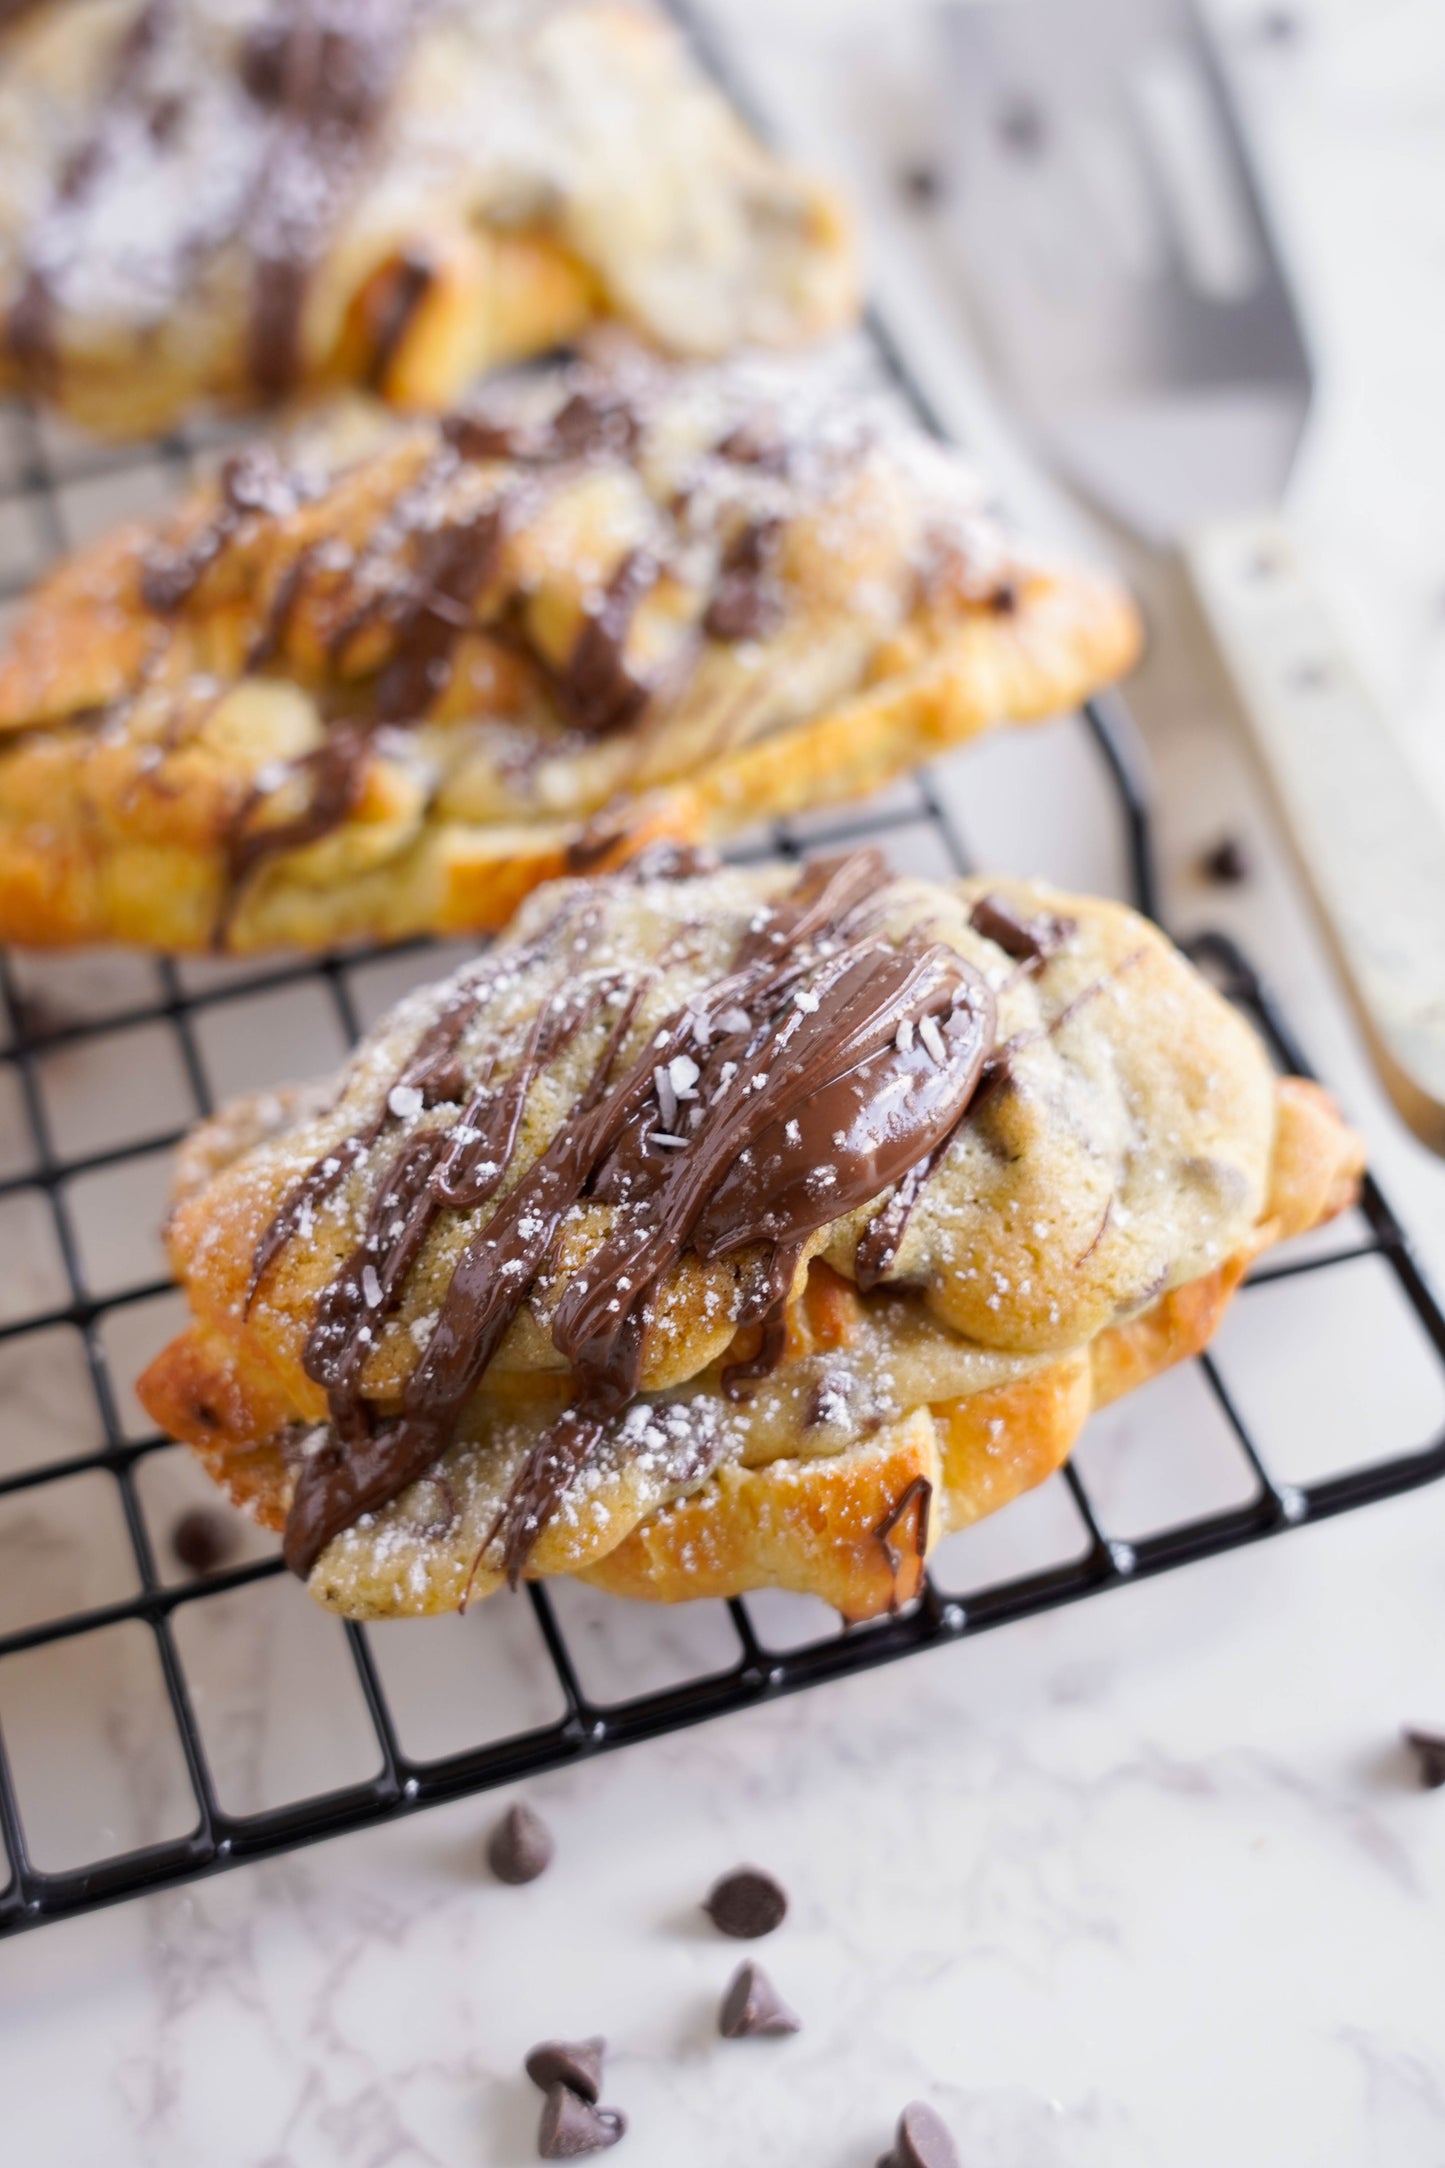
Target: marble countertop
x,y
1145,1881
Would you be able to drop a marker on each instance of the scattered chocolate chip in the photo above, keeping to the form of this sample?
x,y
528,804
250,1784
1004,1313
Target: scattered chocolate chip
x,y
1428,1748
752,2008
571,2126
1278,26
1226,862
202,1540
521,1846
1021,127
922,183
921,2141
577,2064
746,1903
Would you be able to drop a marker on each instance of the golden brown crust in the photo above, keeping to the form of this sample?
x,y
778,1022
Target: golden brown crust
x,y
156,731
811,1526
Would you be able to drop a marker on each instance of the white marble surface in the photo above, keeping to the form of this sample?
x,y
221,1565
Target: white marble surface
x,y
1146,1881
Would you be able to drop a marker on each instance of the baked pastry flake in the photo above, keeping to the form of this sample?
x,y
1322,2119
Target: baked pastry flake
x,y
384,678
719,1229
230,200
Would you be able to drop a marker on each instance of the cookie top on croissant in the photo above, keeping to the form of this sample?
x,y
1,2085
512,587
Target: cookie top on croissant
x,y
385,678
232,199
699,1170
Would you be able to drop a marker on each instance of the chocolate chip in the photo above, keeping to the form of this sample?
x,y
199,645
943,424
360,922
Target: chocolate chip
x,y
746,1903
1226,862
577,2064
202,1540
521,1846
571,2126
752,2008
1428,1748
1027,940
1022,127
1278,26
922,183
921,2141
757,441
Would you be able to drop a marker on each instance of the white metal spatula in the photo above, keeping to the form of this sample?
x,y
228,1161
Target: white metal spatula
x,y
1136,310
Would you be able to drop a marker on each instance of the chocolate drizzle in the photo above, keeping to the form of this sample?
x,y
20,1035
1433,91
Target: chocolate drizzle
x,y
434,566
879,1243
318,75
328,76
592,422
334,776
254,484
455,564
815,1089
29,330
393,312
431,1070
748,602
597,691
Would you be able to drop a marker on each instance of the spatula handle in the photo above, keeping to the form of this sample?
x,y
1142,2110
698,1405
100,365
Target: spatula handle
x,y
1364,826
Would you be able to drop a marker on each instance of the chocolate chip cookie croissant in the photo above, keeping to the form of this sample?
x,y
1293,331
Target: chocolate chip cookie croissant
x,y
232,199
384,680
718,1229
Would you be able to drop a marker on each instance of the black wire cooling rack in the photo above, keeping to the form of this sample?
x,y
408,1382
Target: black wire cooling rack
x,y
51,488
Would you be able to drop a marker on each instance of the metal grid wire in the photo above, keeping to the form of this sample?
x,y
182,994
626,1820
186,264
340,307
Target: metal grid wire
x,y
51,491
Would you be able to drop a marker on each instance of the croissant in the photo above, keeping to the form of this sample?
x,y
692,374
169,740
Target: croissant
x,y
718,1229
229,200
384,679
